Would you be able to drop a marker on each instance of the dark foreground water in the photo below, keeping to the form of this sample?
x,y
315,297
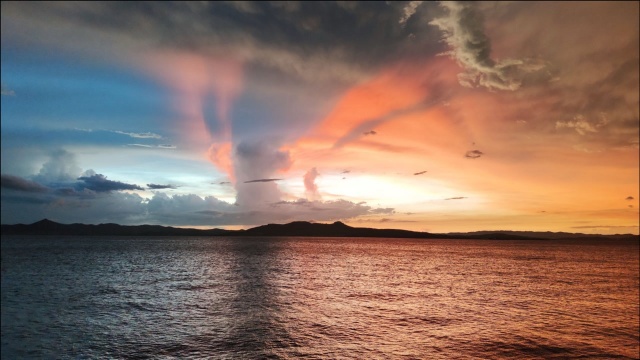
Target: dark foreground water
x,y
230,298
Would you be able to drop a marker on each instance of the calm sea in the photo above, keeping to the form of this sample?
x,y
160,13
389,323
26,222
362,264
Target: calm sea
x,y
317,298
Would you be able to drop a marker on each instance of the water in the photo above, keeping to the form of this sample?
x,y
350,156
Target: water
x,y
317,298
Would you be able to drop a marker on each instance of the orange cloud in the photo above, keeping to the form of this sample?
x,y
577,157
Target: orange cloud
x,y
403,105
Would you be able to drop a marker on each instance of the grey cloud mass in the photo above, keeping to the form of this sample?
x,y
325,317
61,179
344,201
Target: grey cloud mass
x,y
314,41
61,167
100,183
258,160
17,183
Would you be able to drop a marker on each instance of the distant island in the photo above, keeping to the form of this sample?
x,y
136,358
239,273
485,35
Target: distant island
x,y
296,228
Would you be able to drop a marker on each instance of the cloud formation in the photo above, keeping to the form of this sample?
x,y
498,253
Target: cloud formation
x,y
463,29
456,198
304,40
17,183
581,125
61,167
311,189
408,11
258,160
473,154
160,187
420,173
143,135
100,183
629,198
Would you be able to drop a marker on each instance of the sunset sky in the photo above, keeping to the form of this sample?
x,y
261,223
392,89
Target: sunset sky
x,y
426,116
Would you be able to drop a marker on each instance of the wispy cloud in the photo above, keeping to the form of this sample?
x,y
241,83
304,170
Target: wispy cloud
x,y
408,11
371,132
456,198
463,29
473,154
421,172
161,146
160,187
142,135
629,198
581,125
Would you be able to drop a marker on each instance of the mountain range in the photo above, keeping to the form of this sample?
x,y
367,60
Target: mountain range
x,y
296,228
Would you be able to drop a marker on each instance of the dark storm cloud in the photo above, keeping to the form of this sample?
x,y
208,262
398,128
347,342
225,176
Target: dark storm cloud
x,y
159,187
473,154
100,183
81,193
20,184
345,40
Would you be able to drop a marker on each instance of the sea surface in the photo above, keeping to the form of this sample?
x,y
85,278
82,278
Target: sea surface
x,y
317,298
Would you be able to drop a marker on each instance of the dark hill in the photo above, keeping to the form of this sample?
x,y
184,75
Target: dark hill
x,y
337,229
48,227
296,228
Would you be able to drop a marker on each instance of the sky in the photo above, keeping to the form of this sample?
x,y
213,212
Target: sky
x,y
427,116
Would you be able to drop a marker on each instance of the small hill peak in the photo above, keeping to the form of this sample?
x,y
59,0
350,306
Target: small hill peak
x,y
45,222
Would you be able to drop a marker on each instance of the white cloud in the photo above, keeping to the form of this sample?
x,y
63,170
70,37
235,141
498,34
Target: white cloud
x,y
143,135
408,11
581,125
